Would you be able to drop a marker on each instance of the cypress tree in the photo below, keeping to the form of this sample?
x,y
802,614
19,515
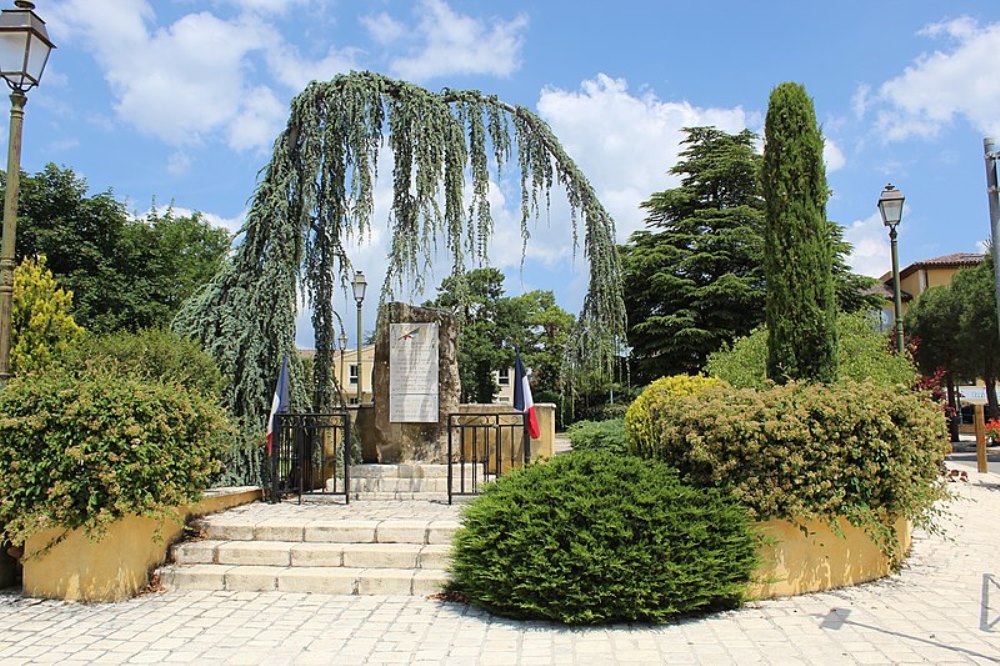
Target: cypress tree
x,y
798,261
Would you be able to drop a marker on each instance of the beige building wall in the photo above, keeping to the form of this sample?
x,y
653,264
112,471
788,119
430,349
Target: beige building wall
x,y
347,373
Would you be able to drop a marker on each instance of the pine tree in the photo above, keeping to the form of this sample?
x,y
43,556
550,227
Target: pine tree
x,y
42,327
801,301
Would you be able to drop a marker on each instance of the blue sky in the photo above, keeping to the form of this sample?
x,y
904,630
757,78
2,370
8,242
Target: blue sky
x,y
180,100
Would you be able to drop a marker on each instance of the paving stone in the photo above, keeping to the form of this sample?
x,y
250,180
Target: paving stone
x,y
341,531
402,531
381,555
252,578
434,557
319,580
318,555
195,552
385,581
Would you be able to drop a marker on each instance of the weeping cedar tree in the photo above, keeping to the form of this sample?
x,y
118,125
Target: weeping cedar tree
x,y
798,262
318,190
694,279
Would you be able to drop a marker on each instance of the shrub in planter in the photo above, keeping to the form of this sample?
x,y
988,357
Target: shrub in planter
x,y
82,450
864,451
640,420
593,537
151,354
598,435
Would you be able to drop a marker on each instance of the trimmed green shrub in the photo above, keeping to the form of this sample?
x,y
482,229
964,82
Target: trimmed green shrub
x,y
151,354
859,450
598,435
863,354
80,451
640,420
593,537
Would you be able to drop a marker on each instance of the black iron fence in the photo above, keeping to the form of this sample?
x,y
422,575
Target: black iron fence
x,y
482,447
311,455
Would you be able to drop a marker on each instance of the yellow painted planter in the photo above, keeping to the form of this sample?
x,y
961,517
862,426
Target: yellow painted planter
x,y
797,563
118,566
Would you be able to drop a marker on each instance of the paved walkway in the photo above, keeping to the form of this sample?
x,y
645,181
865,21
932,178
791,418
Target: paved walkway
x,y
943,608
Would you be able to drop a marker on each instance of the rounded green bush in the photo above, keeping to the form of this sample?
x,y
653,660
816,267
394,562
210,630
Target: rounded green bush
x,y
598,435
151,354
82,450
592,537
641,420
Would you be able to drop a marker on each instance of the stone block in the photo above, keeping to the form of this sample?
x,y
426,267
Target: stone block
x,y
319,580
341,531
381,555
196,552
434,557
386,581
195,577
252,579
402,531
317,555
278,529
429,582
441,531
266,553
228,530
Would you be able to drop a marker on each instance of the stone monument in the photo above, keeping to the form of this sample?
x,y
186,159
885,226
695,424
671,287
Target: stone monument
x,y
415,385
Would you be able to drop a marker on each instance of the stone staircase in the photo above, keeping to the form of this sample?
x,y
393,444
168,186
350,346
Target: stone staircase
x,y
391,556
409,482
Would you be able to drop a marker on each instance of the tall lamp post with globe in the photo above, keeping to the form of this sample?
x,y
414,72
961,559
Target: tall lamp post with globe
x,y
359,284
24,51
890,205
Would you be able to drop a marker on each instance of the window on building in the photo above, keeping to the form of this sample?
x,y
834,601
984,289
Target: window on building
x,y
353,371
504,376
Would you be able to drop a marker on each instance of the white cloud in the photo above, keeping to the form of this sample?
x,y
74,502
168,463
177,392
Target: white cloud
x,y
194,79
861,100
871,255
383,28
832,155
938,88
275,7
178,162
626,143
450,43
230,224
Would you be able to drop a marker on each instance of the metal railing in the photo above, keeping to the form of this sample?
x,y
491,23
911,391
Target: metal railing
x,y
311,456
482,447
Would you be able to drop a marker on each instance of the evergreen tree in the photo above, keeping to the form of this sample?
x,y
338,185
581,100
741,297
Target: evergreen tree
x,y
693,280
978,336
42,328
798,261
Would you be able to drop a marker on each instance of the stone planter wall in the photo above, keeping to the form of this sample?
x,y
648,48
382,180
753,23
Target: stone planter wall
x,y
797,563
118,566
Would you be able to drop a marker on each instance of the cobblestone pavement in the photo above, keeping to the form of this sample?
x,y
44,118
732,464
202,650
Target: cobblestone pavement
x,y
942,608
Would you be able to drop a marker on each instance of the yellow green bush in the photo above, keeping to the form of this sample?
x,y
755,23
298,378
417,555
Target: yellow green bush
x,y
641,420
861,450
42,328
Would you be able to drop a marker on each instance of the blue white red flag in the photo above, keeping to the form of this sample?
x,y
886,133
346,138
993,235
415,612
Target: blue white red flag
x,y
279,403
523,401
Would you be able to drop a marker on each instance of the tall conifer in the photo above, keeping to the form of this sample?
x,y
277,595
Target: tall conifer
x,y
801,301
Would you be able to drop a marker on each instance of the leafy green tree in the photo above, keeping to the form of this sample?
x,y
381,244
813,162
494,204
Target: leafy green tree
x,y
694,280
934,322
125,273
42,328
493,324
975,290
801,301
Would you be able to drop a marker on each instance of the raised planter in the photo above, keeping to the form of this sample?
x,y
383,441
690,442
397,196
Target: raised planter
x,y
796,562
118,566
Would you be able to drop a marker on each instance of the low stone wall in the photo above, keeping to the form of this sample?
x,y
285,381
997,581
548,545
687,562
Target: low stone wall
x,y
794,562
118,566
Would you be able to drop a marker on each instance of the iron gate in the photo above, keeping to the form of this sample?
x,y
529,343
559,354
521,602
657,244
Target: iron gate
x,y
488,446
312,455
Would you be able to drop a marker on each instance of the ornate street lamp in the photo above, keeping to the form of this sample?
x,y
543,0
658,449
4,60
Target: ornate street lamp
x,y
24,51
890,205
360,284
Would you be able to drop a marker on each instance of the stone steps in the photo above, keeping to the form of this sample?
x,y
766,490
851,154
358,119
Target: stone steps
x,y
306,554
408,481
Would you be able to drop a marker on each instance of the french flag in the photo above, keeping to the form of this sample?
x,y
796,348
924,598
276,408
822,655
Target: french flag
x,y
522,396
279,403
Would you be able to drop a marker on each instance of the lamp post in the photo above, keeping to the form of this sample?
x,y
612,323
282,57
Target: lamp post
x,y
360,284
24,51
343,347
890,205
